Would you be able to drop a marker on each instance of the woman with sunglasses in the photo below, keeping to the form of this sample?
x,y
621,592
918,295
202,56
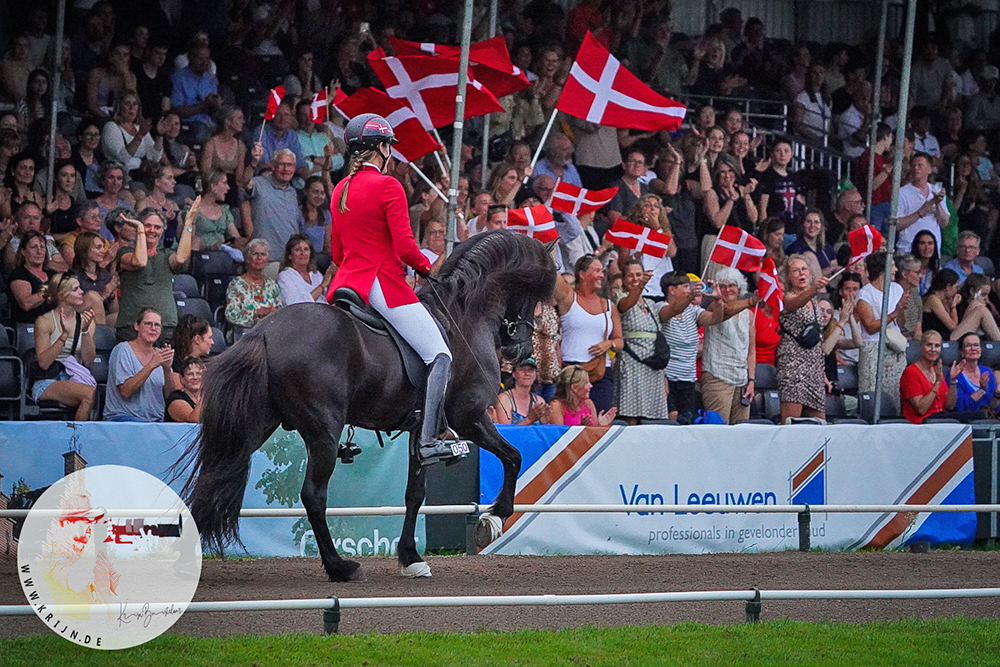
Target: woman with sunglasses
x,y
64,337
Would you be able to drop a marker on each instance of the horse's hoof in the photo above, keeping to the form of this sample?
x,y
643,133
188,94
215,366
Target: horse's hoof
x,y
352,572
489,528
416,570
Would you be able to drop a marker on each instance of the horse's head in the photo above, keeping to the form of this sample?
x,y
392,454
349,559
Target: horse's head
x,y
500,275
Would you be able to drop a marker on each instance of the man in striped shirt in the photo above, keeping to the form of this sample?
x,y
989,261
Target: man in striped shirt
x,y
681,319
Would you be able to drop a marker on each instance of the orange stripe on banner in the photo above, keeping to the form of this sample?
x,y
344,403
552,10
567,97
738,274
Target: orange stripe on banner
x,y
555,469
923,495
808,470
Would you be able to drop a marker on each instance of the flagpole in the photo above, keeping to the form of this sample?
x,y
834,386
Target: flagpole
x,y
437,138
548,204
485,172
904,98
456,139
260,139
834,276
710,253
541,144
56,83
428,181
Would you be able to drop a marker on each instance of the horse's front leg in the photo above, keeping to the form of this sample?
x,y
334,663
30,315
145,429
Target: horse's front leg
x,y
322,450
490,525
410,562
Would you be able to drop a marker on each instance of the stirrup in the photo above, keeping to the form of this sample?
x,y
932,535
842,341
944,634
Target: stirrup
x,y
347,452
449,451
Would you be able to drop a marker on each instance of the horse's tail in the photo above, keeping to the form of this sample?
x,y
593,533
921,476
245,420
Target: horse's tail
x,y
237,417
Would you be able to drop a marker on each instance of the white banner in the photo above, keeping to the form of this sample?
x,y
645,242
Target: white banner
x,y
700,466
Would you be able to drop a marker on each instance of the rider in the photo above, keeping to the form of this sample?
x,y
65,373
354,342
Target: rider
x,y
371,239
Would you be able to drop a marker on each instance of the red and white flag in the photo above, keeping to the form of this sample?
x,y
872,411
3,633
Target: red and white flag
x,y
535,222
736,248
572,199
769,287
489,60
414,141
317,107
273,101
864,242
601,91
427,84
642,239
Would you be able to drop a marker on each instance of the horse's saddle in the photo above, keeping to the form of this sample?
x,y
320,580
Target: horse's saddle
x,y
351,302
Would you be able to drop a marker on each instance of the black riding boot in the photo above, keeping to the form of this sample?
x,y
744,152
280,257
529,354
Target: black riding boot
x,y
433,447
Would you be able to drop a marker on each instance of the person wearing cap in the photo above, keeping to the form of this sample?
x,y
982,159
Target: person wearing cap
x,y
983,110
370,240
518,405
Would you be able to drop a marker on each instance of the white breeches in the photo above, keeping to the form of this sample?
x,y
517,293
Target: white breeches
x,y
413,323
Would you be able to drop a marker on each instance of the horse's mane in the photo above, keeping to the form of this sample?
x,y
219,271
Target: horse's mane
x,y
485,271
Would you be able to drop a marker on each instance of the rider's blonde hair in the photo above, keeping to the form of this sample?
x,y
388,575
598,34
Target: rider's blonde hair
x,y
357,161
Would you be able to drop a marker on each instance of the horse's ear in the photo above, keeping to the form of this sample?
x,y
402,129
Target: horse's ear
x,y
550,245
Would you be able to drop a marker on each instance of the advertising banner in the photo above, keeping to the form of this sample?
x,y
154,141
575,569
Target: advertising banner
x,y
749,464
31,457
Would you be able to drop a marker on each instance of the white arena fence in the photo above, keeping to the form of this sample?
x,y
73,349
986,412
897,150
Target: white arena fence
x,y
472,511
753,598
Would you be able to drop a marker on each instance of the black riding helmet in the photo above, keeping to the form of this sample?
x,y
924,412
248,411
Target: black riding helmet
x,y
366,132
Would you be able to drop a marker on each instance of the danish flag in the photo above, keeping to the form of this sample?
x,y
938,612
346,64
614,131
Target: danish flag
x,y
572,199
643,239
535,222
490,62
274,101
317,108
864,241
768,286
428,85
601,91
736,248
414,141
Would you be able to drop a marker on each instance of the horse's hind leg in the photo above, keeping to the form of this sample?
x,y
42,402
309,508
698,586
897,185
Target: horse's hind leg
x,y
411,564
490,525
322,446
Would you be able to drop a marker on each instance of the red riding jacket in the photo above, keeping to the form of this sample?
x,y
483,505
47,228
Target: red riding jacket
x,y
373,238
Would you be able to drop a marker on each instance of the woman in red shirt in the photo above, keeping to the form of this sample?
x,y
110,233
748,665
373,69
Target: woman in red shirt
x,y
768,334
371,239
922,390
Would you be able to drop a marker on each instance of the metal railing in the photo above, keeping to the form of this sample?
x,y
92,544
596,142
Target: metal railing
x,y
332,606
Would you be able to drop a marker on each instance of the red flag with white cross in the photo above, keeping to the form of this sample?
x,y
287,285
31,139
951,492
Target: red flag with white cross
x,y
601,91
641,239
274,101
736,248
769,287
577,201
535,222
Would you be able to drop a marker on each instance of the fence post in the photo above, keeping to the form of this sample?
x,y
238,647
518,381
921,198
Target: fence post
x,y
331,617
471,521
753,607
805,529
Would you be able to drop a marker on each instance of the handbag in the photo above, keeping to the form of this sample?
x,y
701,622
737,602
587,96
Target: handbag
x,y
595,367
56,368
661,351
811,334
895,340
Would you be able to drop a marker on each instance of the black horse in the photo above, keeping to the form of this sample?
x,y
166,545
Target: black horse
x,y
314,368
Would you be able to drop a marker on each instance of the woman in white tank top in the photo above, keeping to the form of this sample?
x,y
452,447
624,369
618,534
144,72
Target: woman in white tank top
x,y
591,327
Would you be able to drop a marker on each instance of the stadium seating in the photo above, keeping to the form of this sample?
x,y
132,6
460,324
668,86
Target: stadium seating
x,y
186,285
991,354
847,379
194,306
949,352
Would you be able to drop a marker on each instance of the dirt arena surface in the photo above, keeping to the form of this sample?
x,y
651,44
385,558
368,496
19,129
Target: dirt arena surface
x,y
286,578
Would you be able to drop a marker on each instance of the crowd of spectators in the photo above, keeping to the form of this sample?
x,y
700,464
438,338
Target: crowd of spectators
x,y
161,154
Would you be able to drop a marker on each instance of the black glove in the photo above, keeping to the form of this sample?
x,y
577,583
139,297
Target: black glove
x,y
423,274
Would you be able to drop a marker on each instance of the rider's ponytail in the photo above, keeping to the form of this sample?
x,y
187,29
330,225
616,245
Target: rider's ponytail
x,y
357,161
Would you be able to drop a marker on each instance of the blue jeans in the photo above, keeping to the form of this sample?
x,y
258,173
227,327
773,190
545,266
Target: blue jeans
x,y
880,215
602,392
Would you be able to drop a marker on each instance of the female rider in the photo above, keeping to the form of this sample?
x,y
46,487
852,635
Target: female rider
x,y
370,239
